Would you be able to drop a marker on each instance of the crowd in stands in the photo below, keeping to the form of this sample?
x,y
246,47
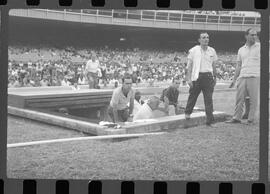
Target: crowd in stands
x,y
47,66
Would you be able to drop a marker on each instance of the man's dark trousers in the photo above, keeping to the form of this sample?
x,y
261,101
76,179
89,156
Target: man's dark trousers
x,y
206,84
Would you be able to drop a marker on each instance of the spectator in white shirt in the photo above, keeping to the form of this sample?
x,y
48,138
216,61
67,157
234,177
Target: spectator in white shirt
x,y
91,71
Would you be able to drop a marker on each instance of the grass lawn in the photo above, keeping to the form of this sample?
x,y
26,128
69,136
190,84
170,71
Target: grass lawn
x,y
25,130
229,152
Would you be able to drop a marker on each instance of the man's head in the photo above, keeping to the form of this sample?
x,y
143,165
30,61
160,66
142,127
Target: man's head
x,y
251,36
138,95
153,102
176,82
93,56
127,83
204,39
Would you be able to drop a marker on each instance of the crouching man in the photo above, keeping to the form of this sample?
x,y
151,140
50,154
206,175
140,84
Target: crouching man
x,y
118,110
170,97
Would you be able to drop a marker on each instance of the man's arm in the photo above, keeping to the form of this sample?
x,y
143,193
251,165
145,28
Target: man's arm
x,y
237,73
115,114
114,103
189,72
86,69
237,69
214,65
131,105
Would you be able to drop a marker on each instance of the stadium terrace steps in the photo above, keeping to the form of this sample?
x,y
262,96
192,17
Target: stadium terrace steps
x,y
159,124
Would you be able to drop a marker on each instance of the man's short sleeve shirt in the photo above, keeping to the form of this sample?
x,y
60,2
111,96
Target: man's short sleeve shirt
x,y
92,66
204,58
119,100
250,60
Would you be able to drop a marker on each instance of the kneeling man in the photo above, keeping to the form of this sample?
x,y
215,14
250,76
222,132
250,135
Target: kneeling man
x,y
170,96
119,111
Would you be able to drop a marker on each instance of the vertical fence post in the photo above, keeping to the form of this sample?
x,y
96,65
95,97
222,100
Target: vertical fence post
x,y
126,15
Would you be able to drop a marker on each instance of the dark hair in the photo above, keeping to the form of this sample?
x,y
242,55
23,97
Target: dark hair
x,y
137,92
126,76
203,33
247,31
176,78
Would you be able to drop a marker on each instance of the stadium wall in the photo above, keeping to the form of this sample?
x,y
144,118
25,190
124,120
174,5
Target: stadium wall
x,y
39,32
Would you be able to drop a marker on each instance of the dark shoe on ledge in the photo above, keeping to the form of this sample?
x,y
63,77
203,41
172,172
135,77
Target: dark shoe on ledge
x,y
233,121
248,122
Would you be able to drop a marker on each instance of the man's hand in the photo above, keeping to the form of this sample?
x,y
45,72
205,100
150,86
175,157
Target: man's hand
x,y
190,83
232,84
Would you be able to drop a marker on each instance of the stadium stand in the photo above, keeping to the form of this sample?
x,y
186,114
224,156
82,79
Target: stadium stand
x,y
40,54
30,67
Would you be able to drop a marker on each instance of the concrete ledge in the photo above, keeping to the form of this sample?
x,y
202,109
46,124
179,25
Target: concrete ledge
x,y
82,126
173,122
159,124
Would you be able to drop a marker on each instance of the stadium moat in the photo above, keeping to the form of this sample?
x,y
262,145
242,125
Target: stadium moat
x,y
83,109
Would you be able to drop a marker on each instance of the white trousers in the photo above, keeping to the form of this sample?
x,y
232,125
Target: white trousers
x,y
247,86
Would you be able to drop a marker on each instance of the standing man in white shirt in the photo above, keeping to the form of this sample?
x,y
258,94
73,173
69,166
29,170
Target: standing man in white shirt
x,y
247,75
91,71
201,76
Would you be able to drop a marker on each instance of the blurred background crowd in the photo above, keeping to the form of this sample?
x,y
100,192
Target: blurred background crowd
x,y
35,66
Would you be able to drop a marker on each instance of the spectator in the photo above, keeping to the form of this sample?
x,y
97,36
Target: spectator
x,y
248,77
170,96
201,77
91,71
147,65
118,109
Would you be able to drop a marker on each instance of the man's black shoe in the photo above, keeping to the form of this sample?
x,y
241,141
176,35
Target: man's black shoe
x,y
233,121
248,122
211,125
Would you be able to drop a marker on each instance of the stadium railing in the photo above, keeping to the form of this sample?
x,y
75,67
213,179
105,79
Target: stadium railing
x,y
173,16
170,16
